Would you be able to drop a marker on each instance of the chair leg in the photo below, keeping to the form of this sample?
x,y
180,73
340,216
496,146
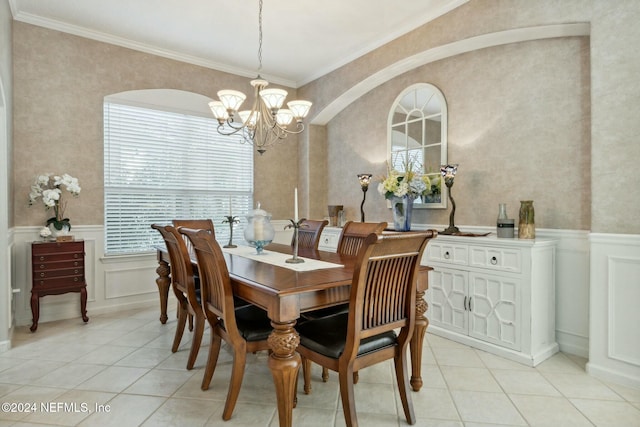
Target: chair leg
x,y
182,319
212,360
195,341
402,379
325,374
190,322
306,373
348,398
237,372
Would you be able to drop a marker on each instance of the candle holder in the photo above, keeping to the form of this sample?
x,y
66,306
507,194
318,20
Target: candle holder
x,y
295,226
231,220
448,173
364,179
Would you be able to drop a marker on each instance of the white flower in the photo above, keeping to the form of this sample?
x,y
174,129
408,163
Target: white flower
x,y
49,187
45,232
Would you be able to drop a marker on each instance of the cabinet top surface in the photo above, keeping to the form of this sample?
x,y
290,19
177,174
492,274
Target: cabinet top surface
x,y
49,242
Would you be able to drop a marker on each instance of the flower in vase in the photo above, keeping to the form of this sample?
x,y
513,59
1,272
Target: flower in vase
x,y
49,187
400,184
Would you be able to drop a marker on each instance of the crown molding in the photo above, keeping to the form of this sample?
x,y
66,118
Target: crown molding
x,y
76,30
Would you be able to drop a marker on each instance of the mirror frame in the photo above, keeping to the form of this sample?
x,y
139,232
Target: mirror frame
x,y
418,203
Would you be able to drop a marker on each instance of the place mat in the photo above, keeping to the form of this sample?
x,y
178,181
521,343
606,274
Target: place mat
x,y
279,259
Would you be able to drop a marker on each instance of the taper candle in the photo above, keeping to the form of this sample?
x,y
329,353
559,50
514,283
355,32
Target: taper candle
x,y
295,205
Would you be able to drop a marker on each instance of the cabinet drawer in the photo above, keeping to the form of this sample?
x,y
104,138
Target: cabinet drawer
x,y
59,281
57,247
39,266
46,274
61,256
496,259
447,253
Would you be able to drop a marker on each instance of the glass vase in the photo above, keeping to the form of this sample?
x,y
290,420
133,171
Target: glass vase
x,y
402,208
526,224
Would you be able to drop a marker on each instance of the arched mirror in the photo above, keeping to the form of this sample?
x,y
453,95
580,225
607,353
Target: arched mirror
x,y
417,135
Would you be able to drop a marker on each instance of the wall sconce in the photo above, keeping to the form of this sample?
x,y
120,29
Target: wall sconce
x,y
448,173
364,178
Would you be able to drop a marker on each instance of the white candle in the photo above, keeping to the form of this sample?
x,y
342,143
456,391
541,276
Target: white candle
x,y
230,208
295,205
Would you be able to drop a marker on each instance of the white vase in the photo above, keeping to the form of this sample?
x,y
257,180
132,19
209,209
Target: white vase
x,y
401,208
55,232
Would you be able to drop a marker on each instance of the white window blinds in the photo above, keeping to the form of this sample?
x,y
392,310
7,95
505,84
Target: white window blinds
x,y
160,166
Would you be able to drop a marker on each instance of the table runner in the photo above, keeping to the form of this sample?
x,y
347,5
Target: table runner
x,y
279,259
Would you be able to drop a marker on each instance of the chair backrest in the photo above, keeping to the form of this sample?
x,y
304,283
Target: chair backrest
x,y
215,285
354,234
309,233
383,290
196,224
182,274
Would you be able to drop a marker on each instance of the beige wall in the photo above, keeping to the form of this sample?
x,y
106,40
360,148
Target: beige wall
x,y
518,127
576,108
60,81
525,110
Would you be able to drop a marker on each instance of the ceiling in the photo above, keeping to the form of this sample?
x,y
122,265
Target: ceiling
x,y
300,42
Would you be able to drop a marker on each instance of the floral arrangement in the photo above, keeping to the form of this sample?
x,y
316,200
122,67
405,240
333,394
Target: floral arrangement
x,y
49,187
400,184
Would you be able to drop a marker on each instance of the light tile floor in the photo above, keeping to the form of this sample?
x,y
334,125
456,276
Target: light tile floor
x,y
118,370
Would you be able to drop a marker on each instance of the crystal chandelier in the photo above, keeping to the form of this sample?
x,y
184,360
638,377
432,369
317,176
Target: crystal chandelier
x,y
267,122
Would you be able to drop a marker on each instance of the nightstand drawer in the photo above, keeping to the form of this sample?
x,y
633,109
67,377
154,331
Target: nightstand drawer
x,y
46,274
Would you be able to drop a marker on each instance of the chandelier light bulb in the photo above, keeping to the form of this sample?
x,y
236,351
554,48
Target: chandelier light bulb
x,y
219,111
284,117
273,98
299,108
231,99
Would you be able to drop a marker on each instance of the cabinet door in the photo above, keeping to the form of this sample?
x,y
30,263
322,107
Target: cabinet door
x,y
446,297
494,306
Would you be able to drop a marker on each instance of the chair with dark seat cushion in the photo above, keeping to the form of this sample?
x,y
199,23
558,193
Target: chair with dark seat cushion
x,y
309,233
351,240
183,283
382,300
245,329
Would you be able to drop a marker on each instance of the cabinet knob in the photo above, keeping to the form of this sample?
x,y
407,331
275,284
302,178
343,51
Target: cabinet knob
x,y
494,260
75,271
42,266
75,279
41,258
447,255
75,255
75,264
42,274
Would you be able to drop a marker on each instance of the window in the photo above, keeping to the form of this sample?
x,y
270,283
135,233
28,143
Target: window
x,y
161,165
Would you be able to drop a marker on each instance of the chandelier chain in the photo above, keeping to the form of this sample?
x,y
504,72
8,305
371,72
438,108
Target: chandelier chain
x,y
260,37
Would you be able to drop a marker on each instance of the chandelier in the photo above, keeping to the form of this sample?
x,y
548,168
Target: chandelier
x,y
267,122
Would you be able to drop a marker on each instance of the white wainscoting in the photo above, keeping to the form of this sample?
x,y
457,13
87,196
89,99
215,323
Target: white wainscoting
x,y
614,353
129,281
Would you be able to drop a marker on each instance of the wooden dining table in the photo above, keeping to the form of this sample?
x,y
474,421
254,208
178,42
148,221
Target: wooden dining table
x,y
286,293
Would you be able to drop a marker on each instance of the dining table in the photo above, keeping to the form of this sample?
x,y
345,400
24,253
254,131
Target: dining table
x,y
285,290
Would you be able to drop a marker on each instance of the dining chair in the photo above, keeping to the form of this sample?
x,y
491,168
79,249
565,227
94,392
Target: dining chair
x,y
184,287
200,224
245,329
382,300
351,239
309,233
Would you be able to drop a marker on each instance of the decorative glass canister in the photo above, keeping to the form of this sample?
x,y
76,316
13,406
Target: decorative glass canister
x,y
504,225
259,232
527,224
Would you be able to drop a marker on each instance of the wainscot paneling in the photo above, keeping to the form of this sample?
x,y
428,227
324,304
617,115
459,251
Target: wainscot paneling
x,y
128,282
614,351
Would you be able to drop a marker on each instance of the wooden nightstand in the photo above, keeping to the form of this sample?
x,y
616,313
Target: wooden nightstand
x,y
57,268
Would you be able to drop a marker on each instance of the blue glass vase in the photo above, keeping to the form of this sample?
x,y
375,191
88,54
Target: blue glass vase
x,y
401,208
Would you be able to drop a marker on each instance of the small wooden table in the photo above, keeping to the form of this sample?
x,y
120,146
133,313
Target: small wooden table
x,y
284,294
57,268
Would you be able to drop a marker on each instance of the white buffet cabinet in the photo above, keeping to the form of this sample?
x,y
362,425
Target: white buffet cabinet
x,y
494,294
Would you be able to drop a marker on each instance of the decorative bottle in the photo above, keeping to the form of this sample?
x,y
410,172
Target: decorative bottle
x,y
527,224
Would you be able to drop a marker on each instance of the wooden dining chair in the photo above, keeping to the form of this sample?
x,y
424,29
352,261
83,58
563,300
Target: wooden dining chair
x,y
245,329
199,224
309,233
184,287
382,300
351,240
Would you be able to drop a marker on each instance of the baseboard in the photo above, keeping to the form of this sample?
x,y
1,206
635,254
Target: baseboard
x,y
613,376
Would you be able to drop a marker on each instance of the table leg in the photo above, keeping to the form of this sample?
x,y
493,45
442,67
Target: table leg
x,y
284,364
417,341
163,281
